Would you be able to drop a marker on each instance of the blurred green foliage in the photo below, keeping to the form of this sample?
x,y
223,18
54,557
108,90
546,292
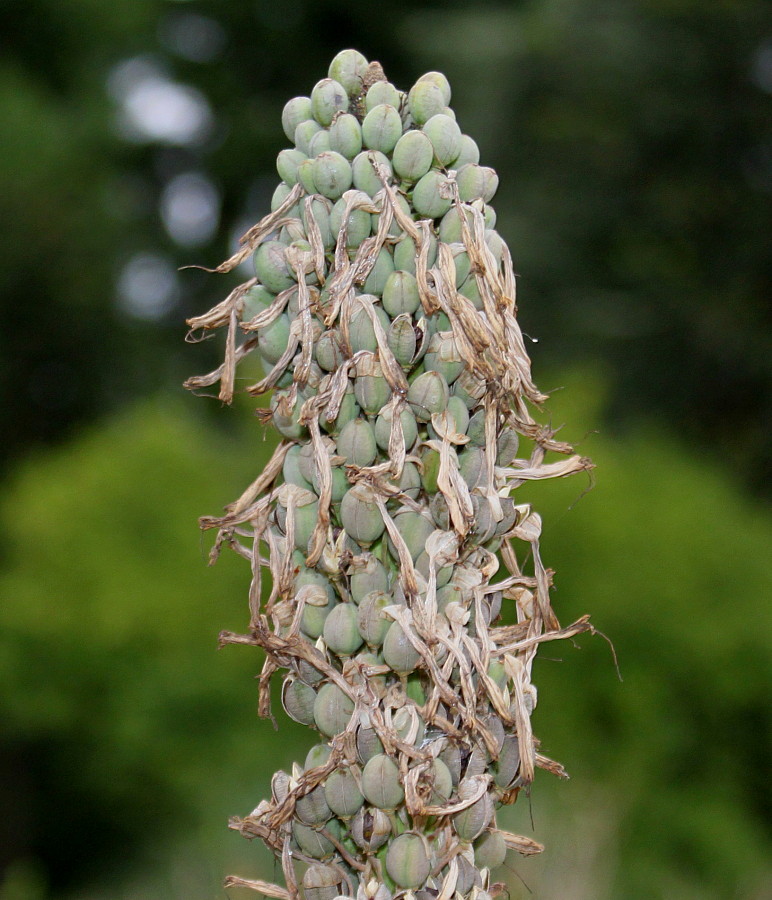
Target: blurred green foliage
x,y
128,736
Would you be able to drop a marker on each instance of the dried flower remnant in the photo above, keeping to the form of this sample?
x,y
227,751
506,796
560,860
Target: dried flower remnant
x,y
383,311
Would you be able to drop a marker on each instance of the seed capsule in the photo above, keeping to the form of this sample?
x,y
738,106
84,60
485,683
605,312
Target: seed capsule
x,y
495,244
443,356
290,471
348,68
428,395
490,851
357,224
371,389
395,229
273,339
332,174
424,101
370,576
340,484
332,709
471,462
360,516
320,210
312,808
371,621
319,143
508,764
280,785
470,152
271,266
400,293
471,822
379,274
432,196
381,128
370,828
507,446
415,528
365,176
298,701
469,388
413,155
444,574
287,163
445,136
345,135
313,618
279,196
475,430
471,290
407,860
356,442
287,425
328,353
317,756
405,254
295,111
451,756
381,784
327,98
407,423
441,81
311,842
383,92
403,340
340,630
342,793
305,175
361,329
321,882
398,653
476,182
303,134
368,744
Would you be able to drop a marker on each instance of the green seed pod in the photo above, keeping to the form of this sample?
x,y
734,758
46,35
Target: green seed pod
x,y
469,388
273,339
312,842
280,785
471,290
507,766
471,463
463,266
303,134
313,618
507,445
357,224
287,163
378,684
475,430
349,409
320,210
408,725
403,340
495,244
510,516
340,630
400,294
398,653
476,182
470,152
383,92
365,177
405,254
441,81
298,701
271,266
327,98
328,353
381,128
279,196
470,823
288,426
432,196
407,422
319,143
317,756
442,781
332,174
361,329
332,709
371,621
342,792
449,228
345,135
360,516
368,744
428,395
415,528
305,175
407,860
445,136
410,480
379,274
321,882
290,470
439,508
490,851
444,574
356,442
424,101
349,68
366,577
312,808
458,413
451,756
306,514
468,878
370,828
340,484
295,111
371,389
443,356
484,523
306,577
381,783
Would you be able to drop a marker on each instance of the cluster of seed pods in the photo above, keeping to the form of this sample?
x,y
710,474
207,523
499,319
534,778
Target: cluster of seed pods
x,y
383,312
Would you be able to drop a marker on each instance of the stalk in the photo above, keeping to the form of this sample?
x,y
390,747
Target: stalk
x,y
383,311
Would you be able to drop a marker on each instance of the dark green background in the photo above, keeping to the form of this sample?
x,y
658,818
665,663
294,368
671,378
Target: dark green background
x,y
634,145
